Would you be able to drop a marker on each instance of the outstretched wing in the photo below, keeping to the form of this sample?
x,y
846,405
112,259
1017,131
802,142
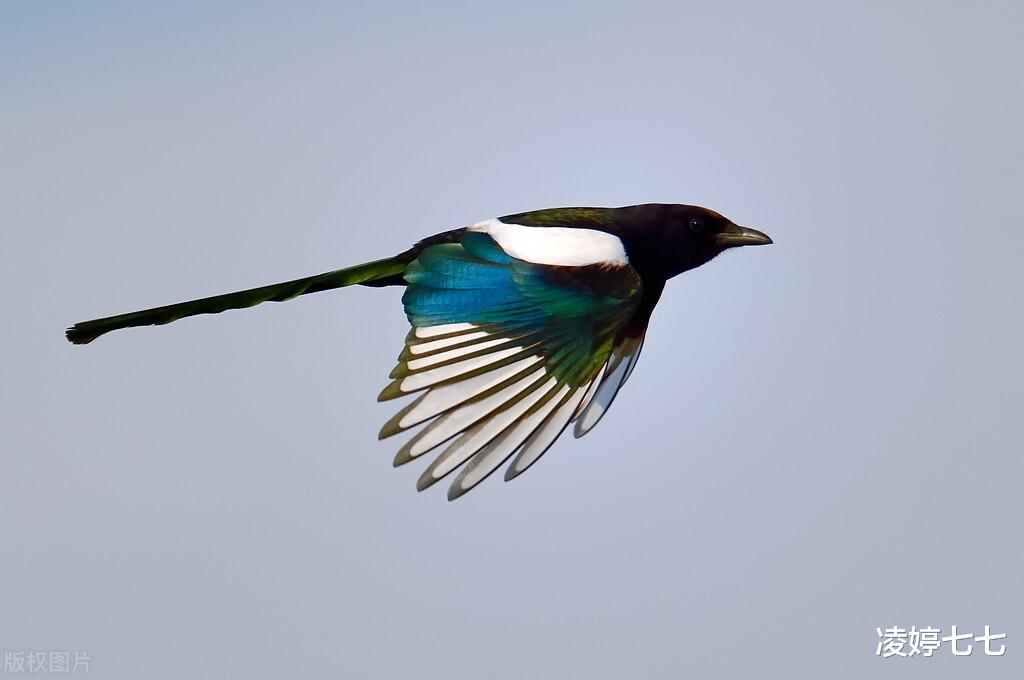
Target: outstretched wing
x,y
506,353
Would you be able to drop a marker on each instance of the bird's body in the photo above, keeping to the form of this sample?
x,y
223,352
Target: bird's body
x,y
521,324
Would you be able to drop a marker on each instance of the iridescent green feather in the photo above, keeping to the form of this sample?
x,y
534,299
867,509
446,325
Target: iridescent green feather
x,y
576,313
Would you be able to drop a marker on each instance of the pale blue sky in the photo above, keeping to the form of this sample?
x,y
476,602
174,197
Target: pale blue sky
x,y
822,436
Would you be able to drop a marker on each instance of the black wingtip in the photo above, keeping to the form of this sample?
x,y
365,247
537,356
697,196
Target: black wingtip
x,y
79,336
456,492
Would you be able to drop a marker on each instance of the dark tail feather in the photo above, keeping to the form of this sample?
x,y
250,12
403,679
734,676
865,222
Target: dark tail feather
x,y
377,273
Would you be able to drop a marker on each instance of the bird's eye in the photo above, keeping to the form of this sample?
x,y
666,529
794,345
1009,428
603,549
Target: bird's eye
x,y
696,224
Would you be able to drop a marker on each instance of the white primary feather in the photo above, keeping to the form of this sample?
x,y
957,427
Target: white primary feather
x,y
475,438
454,422
418,381
434,345
498,451
441,357
445,397
591,391
443,329
620,365
542,439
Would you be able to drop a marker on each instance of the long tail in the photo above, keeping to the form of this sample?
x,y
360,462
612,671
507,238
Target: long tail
x,y
377,273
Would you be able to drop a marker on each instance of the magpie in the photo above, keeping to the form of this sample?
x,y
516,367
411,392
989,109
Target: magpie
x,y
521,324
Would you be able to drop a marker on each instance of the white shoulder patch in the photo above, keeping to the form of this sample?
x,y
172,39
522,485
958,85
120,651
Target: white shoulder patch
x,y
564,246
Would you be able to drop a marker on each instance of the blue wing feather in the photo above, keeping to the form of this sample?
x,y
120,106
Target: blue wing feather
x,y
577,310
566,320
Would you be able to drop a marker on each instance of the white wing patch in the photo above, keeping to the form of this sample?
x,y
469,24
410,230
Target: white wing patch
x,y
561,246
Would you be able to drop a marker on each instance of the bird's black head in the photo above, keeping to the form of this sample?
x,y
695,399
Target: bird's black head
x,y
664,240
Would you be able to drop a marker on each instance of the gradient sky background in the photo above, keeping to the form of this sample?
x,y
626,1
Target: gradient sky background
x,y
822,437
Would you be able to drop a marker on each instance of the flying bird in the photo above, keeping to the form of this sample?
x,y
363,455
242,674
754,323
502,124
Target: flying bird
x,y
521,324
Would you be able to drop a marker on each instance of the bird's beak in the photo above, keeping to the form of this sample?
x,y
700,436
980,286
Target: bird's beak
x,y
736,235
